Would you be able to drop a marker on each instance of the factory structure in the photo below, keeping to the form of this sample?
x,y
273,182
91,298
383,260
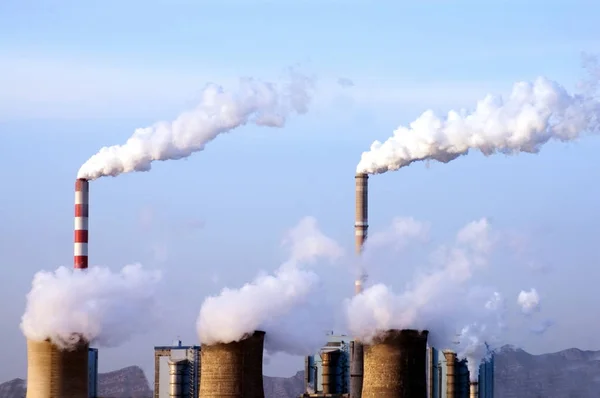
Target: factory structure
x,y
327,373
395,364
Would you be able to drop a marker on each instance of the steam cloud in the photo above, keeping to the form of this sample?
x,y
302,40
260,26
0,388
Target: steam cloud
x,y
97,305
532,115
278,304
219,111
438,300
529,301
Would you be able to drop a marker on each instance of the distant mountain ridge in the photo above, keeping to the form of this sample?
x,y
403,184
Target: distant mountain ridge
x,y
571,373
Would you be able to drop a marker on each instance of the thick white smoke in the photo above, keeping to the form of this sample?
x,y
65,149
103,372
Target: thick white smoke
x,y
440,299
278,304
98,305
219,111
533,114
431,297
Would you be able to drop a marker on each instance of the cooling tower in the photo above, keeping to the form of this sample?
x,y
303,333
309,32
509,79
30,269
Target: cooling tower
x,y
450,373
233,370
82,194
395,365
473,389
55,373
176,375
330,362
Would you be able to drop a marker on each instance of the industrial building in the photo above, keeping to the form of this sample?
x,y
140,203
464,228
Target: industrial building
x,y
92,372
439,385
176,371
448,377
336,354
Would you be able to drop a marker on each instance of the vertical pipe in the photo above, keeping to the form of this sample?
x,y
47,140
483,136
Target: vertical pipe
x,y
474,389
450,373
176,379
361,225
82,194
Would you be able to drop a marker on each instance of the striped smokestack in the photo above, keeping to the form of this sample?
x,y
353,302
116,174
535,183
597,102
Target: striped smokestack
x,y
82,194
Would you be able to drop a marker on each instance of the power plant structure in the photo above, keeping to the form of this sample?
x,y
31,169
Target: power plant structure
x,y
448,377
233,370
176,371
361,226
395,365
327,372
52,372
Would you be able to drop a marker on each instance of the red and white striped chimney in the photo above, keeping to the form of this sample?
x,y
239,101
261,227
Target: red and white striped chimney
x,y
82,194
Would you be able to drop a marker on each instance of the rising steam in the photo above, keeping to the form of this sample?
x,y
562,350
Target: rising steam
x,y
532,115
529,301
96,305
278,304
438,300
219,111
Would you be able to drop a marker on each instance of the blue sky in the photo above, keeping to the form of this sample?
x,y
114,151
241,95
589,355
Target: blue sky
x,y
76,76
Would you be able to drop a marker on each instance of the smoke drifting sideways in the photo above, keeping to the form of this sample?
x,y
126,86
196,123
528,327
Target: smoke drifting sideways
x,y
532,115
219,111
278,304
96,305
438,300
530,303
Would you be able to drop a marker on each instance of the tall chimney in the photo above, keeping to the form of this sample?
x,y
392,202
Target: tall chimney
x,y
474,389
361,224
55,373
450,373
233,370
82,194
395,365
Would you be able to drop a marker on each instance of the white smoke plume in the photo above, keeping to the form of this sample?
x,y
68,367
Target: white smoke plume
x,y
278,304
434,299
219,111
97,305
476,339
529,301
532,115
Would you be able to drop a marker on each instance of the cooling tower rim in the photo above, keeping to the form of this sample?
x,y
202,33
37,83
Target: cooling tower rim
x,y
384,335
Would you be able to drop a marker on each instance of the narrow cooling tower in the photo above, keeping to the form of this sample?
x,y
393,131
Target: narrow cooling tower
x,y
176,374
395,365
474,389
233,370
450,373
55,373
82,194
330,362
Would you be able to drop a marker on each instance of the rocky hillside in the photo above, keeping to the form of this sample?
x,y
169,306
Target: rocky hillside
x,y
566,374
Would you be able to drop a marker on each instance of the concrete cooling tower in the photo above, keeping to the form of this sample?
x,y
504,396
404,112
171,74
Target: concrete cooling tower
x,y
395,365
55,373
233,370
